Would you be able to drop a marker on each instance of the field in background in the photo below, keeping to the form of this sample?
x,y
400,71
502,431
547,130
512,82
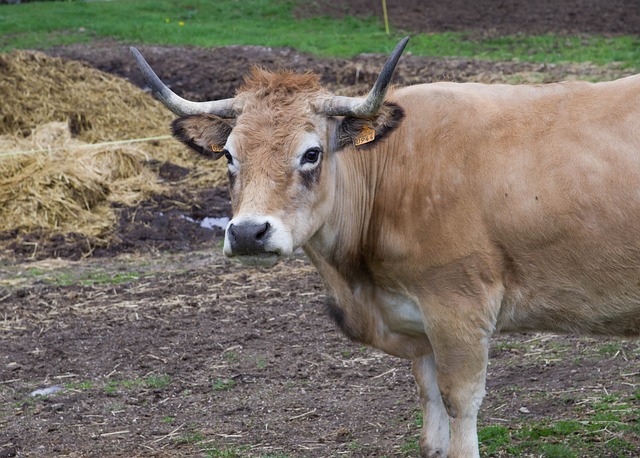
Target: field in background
x,y
279,23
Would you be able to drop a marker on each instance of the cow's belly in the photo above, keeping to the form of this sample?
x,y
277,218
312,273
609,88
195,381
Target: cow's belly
x,y
570,310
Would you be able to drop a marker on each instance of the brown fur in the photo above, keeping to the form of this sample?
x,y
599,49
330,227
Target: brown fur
x,y
262,83
483,209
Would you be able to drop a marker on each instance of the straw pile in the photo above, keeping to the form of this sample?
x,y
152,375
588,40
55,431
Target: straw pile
x,y
70,187
63,107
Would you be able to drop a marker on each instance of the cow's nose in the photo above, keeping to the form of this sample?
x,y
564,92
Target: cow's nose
x,y
248,238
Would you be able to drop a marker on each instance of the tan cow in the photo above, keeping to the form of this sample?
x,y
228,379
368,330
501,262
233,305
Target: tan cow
x,y
468,209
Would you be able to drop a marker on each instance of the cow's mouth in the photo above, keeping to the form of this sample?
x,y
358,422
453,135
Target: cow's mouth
x,y
266,259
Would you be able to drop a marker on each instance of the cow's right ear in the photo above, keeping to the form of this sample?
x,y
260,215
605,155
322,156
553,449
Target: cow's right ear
x,y
205,133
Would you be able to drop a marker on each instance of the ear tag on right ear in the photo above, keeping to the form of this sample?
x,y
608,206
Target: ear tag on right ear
x,y
366,135
216,148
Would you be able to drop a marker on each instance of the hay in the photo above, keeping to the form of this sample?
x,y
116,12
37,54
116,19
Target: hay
x,y
36,89
62,107
71,187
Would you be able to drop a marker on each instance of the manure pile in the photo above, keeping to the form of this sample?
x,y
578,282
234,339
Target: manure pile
x,y
63,159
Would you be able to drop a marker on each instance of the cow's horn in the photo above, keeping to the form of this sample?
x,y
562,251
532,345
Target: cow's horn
x,y
369,106
175,103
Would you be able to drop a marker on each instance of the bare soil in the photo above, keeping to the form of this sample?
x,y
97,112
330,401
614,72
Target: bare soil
x,y
163,348
494,17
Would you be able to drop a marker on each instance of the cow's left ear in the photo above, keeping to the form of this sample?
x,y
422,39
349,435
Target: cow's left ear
x,y
363,133
205,133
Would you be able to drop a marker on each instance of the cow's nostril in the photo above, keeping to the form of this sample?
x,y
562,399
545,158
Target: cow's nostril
x,y
263,232
230,229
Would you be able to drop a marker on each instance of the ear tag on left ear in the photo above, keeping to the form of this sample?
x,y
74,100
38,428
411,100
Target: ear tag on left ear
x,y
216,148
366,135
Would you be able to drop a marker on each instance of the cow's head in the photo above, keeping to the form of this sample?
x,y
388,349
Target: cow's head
x,y
279,136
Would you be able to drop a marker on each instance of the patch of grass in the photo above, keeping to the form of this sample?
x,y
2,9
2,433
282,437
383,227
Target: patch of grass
x,y
567,427
562,439
231,357
93,278
130,384
544,48
104,278
80,386
223,384
190,437
272,23
36,272
602,425
610,349
419,418
70,277
26,402
411,447
261,362
111,387
493,438
168,420
226,452
556,451
505,345
157,381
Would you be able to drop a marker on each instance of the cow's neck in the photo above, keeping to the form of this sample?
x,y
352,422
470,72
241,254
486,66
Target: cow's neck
x,y
346,238
342,248
366,307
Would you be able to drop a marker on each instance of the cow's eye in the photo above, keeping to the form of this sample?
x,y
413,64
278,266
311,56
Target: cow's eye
x,y
228,156
311,156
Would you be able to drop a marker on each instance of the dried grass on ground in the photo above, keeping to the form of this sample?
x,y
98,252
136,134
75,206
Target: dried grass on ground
x,y
69,187
61,109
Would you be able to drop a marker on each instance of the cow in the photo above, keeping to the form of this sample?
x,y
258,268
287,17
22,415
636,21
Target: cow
x,y
437,214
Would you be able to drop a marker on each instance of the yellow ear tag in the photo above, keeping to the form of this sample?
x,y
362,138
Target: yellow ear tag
x,y
366,135
216,148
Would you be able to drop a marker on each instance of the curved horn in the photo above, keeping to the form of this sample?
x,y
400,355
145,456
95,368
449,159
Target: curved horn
x,y
369,106
181,107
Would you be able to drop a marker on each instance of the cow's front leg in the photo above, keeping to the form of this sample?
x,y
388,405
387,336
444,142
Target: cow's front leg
x,y
461,366
434,437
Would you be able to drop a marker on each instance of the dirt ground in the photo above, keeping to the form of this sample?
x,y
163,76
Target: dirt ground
x,y
494,17
163,348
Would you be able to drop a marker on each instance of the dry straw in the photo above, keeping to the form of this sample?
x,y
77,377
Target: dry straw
x,y
71,187
63,107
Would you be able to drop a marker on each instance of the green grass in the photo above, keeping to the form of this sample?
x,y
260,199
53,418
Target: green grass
x,y
223,384
272,23
226,452
191,437
80,386
157,382
608,417
93,278
261,362
493,438
562,439
71,276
